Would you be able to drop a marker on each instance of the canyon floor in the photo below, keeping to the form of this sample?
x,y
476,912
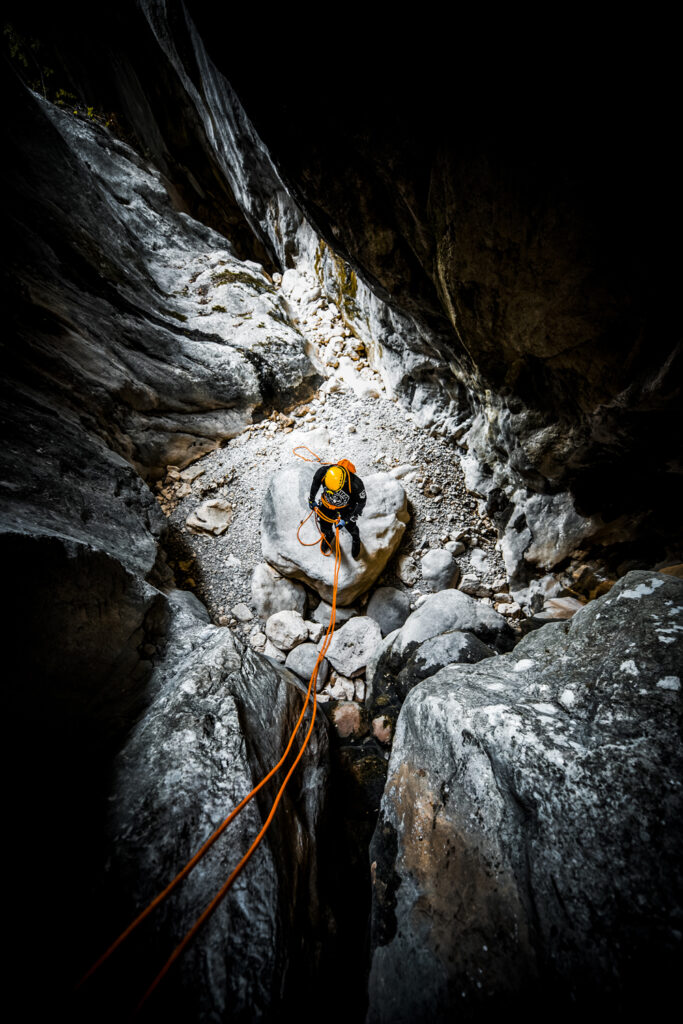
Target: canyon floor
x,y
376,434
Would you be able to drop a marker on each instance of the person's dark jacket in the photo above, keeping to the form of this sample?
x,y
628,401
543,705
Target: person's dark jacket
x,y
349,499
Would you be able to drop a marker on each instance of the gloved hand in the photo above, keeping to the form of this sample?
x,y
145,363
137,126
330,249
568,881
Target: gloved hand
x,y
311,503
340,523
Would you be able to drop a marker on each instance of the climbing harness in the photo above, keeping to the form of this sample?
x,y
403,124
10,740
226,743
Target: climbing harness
x,y
222,892
347,467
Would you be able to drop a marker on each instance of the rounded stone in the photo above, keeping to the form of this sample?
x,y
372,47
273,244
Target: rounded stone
x,y
389,607
439,570
286,630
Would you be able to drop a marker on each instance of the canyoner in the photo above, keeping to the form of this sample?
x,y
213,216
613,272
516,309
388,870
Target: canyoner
x,y
329,535
343,495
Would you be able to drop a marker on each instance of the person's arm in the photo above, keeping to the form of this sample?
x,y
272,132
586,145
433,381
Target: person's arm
x,y
315,486
358,496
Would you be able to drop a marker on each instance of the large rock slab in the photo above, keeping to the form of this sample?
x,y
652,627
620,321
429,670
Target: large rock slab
x,y
530,835
381,529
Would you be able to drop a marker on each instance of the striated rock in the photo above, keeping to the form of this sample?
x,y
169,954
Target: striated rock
x,y
353,644
381,528
302,660
439,570
389,607
271,592
286,630
221,713
212,517
538,783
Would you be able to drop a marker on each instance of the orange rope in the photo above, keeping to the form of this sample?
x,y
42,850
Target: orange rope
x,y
233,814
220,895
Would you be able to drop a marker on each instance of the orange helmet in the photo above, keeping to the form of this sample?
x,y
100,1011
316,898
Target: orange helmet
x,y
335,478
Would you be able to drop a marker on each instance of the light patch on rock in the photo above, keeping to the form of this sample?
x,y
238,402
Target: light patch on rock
x,y
669,683
641,590
524,665
629,667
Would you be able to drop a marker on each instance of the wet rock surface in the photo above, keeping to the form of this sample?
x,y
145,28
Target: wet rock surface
x,y
525,796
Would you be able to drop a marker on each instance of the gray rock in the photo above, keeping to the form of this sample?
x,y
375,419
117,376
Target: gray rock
x,y
315,631
453,647
274,653
381,528
302,661
453,610
212,517
375,659
271,592
539,783
353,644
439,570
242,613
389,607
222,714
324,610
472,585
286,630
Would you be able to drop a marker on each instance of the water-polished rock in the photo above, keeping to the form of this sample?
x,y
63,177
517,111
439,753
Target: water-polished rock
x,y
381,527
302,660
526,797
353,645
453,610
439,570
389,607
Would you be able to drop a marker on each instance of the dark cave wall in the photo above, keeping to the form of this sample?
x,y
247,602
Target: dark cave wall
x,y
519,206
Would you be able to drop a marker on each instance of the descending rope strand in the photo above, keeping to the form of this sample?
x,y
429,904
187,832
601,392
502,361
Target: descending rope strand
x,y
220,895
243,803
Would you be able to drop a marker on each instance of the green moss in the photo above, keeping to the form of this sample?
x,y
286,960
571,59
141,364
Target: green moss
x,y
240,277
219,309
176,316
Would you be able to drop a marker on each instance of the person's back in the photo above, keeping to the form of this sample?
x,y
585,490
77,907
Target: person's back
x,y
343,500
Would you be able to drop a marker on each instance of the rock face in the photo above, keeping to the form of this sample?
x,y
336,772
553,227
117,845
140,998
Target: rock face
x,y
381,527
526,797
271,592
186,765
389,607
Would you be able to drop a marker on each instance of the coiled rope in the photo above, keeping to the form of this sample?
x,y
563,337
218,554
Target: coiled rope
x,y
222,892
